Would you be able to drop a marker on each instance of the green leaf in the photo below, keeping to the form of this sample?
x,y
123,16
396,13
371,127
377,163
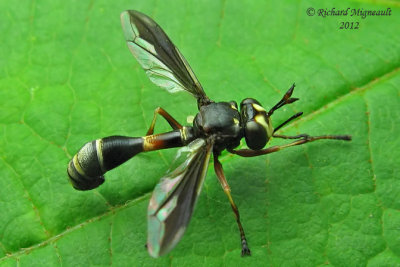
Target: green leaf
x,y
67,77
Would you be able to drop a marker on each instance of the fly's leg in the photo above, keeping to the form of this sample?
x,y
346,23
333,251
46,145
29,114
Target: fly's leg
x,y
313,138
303,138
171,121
227,190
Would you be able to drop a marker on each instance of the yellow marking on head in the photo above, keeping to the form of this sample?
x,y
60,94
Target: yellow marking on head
x,y
233,107
260,118
236,121
258,107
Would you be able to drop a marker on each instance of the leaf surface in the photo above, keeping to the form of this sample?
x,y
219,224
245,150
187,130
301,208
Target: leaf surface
x,y
67,77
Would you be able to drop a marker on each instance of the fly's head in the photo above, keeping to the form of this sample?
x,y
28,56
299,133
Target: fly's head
x,y
256,123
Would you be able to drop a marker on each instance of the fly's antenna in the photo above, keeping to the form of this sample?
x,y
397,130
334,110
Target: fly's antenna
x,y
286,99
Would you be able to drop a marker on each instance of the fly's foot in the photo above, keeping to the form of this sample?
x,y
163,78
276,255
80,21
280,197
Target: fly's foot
x,y
245,248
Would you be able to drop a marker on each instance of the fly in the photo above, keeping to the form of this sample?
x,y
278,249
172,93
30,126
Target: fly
x,y
217,126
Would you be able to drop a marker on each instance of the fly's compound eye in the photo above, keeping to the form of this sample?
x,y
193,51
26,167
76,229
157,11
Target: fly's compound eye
x,y
255,135
257,125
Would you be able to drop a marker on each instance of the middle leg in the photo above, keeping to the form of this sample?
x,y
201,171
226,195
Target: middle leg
x,y
171,121
227,190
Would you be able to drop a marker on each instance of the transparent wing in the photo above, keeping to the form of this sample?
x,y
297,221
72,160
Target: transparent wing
x,y
162,61
174,198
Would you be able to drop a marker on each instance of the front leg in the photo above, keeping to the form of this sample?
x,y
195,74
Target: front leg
x,y
303,138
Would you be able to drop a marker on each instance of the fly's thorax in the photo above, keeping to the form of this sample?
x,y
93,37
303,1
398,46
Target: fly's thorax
x,y
221,121
257,125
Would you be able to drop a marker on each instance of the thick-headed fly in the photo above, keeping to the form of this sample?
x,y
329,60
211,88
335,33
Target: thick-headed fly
x,y
216,127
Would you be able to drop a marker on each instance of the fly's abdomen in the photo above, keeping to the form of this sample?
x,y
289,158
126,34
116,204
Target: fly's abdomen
x,y
87,168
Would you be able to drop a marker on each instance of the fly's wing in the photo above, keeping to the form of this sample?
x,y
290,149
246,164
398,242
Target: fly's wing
x,y
159,57
174,198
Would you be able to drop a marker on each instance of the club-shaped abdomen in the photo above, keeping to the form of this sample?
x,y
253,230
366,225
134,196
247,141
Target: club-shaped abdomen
x,y
94,159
